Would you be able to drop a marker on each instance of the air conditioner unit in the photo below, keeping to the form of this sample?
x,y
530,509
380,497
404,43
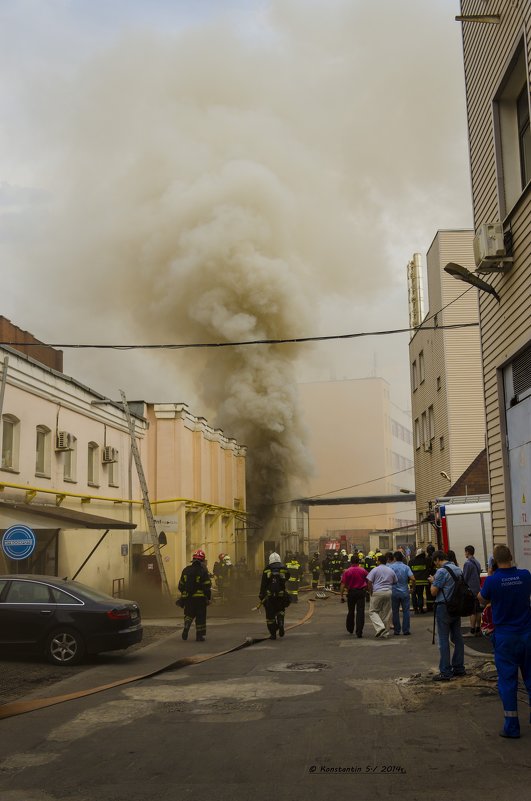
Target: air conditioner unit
x,y
109,454
490,252
63,441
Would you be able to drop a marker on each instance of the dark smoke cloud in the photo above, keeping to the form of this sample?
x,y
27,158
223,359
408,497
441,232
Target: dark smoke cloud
x,y
214,186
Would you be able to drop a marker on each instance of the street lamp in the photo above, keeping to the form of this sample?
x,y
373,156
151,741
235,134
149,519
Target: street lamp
x,y
462,274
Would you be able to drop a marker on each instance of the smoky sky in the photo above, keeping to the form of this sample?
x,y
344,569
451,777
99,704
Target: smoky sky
x,y
249,176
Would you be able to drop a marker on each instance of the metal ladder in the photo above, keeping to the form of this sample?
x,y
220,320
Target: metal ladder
x,y
145,497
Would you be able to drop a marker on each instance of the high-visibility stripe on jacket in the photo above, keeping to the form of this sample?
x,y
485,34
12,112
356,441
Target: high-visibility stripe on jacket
x,y
195,582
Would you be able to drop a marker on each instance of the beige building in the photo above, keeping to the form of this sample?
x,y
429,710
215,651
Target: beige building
x,y
197,486
497,77
447,402
66,472
361,444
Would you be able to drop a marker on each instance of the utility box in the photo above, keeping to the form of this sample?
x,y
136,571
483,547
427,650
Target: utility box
x,y
490,253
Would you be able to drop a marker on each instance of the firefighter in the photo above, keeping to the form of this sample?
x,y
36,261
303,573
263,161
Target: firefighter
x,y
337,571
421,570
219,571
315,569
345,560
327,570
195,588
369,562
294,567
274,595
228,581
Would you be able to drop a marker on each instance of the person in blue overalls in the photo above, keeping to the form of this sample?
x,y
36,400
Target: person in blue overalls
x,y
508,590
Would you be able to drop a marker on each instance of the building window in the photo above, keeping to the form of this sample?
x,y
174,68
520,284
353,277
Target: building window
x,y
513,135
93,464
524,135
43,451
431,423
425,437
414,375
70,461
438,382
441,443
422,374
10,442
417,434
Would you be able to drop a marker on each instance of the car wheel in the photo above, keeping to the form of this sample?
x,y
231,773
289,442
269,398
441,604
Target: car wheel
x,y
65,647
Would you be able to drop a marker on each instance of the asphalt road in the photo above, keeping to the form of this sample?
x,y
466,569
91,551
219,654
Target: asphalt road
x,y
317,715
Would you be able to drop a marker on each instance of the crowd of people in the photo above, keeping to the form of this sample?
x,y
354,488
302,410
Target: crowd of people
x,y
390,582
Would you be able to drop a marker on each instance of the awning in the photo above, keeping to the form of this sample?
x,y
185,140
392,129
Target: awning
x,y
55,517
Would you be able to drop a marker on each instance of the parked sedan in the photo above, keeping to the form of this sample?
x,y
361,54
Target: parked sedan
x,y
64,619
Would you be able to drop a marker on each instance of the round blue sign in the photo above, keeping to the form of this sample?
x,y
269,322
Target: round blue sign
x,y
18,542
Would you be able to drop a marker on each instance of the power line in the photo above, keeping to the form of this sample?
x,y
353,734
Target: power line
x,y
192,345
352,517
353,486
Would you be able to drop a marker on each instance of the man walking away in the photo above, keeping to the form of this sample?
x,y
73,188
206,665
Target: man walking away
x,y
274,595
448,626
195,588
327,570
337,571
508,590
471,574
294,567
315,569
380,583
420,570
400,593
354,583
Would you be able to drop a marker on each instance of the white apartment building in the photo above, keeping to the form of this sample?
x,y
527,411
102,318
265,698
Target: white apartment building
x,y
66,473
447,401
497,78
361,445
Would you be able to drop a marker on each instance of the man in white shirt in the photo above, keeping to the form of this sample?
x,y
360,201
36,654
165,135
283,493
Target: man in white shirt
x,y
380,584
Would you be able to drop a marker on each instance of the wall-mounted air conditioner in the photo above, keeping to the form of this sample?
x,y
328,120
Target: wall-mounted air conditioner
x,y
490,251
109,454
64,441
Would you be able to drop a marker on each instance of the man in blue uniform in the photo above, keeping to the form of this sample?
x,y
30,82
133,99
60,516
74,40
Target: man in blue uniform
x,y
508,590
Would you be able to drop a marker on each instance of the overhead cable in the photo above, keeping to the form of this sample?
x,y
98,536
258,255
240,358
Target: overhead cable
x,y
191,345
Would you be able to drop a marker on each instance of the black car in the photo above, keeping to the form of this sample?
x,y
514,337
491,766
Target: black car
x,y
64,619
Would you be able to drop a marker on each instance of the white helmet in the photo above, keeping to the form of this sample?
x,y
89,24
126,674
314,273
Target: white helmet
x,y
274,557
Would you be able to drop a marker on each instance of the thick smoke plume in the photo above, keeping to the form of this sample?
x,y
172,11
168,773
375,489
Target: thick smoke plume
x,y
216,186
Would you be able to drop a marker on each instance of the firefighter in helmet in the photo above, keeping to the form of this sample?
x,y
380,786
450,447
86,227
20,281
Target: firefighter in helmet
x,y
314,567
195,588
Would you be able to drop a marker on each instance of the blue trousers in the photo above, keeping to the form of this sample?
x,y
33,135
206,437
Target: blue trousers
x,y
449,628
397,602
512,652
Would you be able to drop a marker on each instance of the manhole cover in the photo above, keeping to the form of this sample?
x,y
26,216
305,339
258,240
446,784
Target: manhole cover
x,y
301,667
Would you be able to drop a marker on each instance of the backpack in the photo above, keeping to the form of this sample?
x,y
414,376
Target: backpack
x,y
462,601
276,585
